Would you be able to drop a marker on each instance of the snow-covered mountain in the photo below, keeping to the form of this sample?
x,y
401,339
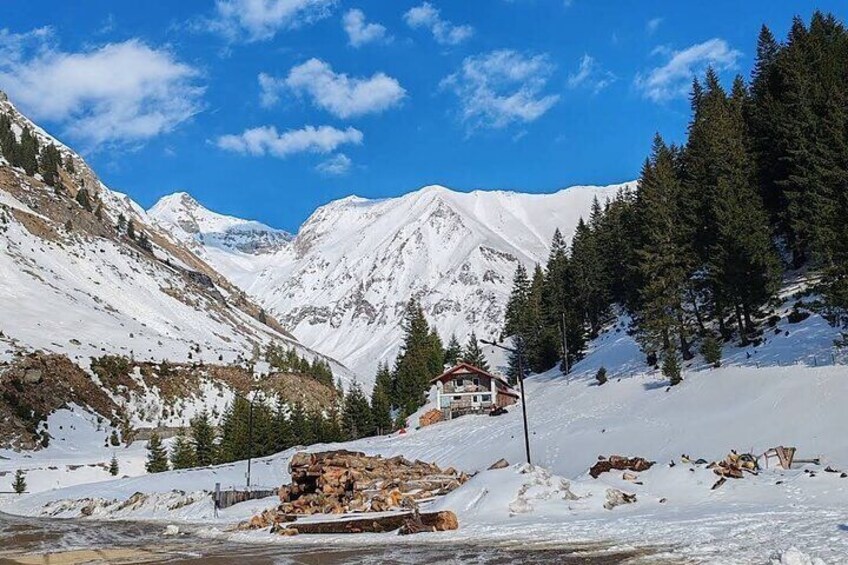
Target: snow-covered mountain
x,y
76,281
197,225
341,284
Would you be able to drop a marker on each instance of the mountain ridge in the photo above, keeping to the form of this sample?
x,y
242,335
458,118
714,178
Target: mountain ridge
x,y
341,283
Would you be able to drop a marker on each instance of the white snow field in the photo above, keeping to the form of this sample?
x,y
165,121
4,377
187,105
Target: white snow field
x,y
572,422
79,452
341,284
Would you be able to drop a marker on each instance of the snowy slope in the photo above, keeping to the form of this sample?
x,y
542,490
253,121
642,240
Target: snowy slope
x,y
572,421
73,283
342,283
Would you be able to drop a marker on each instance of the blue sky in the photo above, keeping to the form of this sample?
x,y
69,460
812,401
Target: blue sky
x,y
267,109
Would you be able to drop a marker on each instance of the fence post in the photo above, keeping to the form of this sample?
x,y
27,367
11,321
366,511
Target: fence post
x,y
217,498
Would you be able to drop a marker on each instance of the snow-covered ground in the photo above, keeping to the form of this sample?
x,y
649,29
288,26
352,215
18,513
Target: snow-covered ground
x,y
572,422
79,452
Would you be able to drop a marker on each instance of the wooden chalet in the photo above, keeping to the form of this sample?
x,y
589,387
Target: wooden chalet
x,y
466,389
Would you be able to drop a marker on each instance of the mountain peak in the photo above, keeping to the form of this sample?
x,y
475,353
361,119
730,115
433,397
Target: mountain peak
x,y
188,220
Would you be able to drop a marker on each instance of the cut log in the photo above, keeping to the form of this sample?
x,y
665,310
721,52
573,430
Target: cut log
x,y
430,522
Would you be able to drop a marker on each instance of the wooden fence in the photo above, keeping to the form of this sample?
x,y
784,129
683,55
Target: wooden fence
x,y
229,497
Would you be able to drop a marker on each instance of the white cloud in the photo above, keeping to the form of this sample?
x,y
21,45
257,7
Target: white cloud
x,y
653,25
265,140
260,20
118,93
359,32
269,89
335,166
674,78
339,94
501,87
428,16
591,75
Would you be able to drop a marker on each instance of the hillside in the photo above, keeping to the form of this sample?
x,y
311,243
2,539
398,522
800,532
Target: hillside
x,y
87,274
341,284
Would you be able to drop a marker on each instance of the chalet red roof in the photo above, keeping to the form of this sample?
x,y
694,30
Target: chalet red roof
x,y
472,369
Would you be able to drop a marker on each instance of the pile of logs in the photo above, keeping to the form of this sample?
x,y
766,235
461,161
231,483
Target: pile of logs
x,y
619,463
337,482
342,482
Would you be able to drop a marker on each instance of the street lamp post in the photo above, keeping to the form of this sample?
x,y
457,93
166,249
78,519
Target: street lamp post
x,y
520,359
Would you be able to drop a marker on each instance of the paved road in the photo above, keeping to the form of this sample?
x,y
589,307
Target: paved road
x,y
70,542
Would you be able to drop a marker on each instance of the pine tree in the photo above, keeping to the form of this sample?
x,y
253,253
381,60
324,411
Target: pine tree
x,y
516,307
203,439
711,350
473,355
559,305
416,364
453,351
540,341
671,366
590,285
131,229
381,408
114,469
435,358
766,114
301,432
357,421
157,455
333,425
8,141
28,152
283,437
664,257
182,452
743,265
51,161
19,485
83,199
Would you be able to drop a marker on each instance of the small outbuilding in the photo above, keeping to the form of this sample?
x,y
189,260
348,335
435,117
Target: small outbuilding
x,y
466,389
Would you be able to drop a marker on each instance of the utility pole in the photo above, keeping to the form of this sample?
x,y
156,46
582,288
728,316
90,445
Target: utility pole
x,y
564,345
520,357
250,402
249,439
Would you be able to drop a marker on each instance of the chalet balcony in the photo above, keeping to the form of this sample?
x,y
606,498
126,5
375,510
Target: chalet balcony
x,y
453,388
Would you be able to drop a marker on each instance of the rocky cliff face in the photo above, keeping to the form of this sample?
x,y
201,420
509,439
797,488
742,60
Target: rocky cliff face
x,y
341,284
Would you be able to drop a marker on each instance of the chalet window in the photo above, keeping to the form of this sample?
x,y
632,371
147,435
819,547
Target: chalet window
x,y
476,381
476,399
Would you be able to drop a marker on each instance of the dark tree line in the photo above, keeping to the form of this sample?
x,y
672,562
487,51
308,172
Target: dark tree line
x,y
23,151
288,361
259,430
696,253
